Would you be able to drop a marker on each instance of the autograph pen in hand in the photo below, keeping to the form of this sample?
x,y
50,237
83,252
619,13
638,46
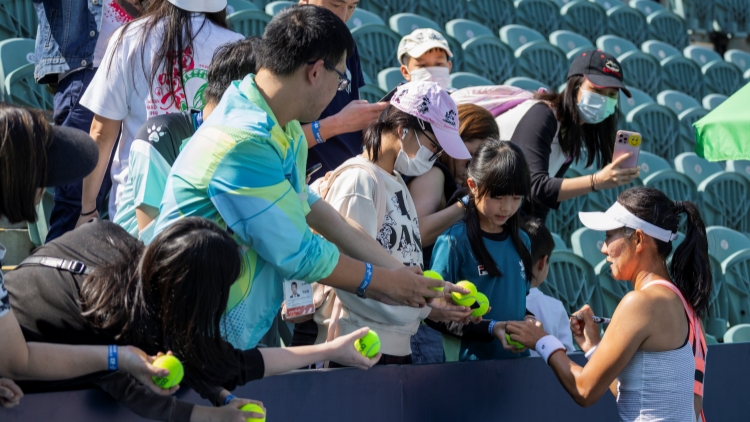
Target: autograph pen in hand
x,y
596,319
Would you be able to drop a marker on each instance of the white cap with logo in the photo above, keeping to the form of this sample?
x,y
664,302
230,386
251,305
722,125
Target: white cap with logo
x,y
200,6
421,41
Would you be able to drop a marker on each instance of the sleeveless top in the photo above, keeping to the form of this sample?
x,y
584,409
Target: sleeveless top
x,y
659,386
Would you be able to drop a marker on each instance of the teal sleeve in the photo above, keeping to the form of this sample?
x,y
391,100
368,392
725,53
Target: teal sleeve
x,y
148,173
444,257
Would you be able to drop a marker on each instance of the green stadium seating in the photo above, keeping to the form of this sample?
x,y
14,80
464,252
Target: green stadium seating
x,y
694,167
681,74
541,15
277,6
238,5
39,229
700,54
698,14
464,29
724,242
725,200
361,17
389,78
377,47
614,45
586,18
572,281
719,76
651,163
601,200
261,4
711,101
405,23
588,245
14,53
677,101
559,242
517,36
564,220
608,4
17,19
688,111
570,42
668,27
543,61
628,23
561,3
660,129
21,89
739,58
740,167
387,8
642,71
528,84
639,98
493,14
737,284
647,7
441,11
660,50
715,321
371,93
732,17
738,334
248,22
466,79
676,186
489,57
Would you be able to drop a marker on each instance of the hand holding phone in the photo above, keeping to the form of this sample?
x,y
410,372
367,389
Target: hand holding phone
x,y
627,142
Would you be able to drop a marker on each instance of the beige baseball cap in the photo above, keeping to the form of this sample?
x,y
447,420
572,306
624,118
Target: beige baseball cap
x,y
421,41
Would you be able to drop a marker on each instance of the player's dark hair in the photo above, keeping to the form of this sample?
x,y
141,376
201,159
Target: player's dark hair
x,y
231,62
542,243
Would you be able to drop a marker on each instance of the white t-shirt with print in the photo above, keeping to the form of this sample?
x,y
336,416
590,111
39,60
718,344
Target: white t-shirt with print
x,y
113,17
552,315
115,95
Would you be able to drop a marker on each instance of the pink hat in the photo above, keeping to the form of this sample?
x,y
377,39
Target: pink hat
x,y
429,102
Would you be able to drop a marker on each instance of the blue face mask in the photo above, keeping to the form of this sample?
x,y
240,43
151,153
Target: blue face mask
x,y
595,108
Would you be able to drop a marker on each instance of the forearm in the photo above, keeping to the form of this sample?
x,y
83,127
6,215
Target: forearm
x,y
46,362
574,187
145,214
329,127
104,132
432,226
278,360
584,391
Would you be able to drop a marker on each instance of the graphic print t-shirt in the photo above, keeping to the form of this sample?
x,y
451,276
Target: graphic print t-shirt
x,y
114,15
119,94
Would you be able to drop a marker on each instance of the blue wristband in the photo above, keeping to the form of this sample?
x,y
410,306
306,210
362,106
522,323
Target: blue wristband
x,y
492,327
316,132
112,363
228,399
365,281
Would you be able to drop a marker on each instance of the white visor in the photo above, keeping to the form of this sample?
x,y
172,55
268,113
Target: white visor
x,y
618,216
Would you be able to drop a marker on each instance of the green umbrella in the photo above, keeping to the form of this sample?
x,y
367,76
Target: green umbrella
x,y
724,133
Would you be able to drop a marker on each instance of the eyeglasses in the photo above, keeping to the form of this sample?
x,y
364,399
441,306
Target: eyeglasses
x,y
343,80
440,150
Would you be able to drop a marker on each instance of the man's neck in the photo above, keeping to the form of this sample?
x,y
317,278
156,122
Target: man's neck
x,y
282,97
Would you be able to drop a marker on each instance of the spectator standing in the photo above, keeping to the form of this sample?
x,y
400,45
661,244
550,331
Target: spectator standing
x,y
425,56
153,65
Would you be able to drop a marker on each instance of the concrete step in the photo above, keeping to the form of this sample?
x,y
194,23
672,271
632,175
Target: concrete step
x,y
17,243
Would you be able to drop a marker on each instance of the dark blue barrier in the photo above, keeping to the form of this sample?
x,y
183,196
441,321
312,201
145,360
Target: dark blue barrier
x,y
523,389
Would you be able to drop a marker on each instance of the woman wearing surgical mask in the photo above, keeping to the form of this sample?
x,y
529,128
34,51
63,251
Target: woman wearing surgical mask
x,y
555,130
419,125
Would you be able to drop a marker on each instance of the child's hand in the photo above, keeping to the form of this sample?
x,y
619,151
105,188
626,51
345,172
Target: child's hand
x,y
527,332
499,331
444,311
342,351
10,393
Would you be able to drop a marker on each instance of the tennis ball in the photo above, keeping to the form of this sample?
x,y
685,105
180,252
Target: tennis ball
x,y
252,407
513,343
484,305
176,371
434,275
369,345
468,299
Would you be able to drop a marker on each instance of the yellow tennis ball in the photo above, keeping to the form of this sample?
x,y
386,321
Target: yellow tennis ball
x,y
435,276
369,345
484,305
513,343
252,407
176,371
468,299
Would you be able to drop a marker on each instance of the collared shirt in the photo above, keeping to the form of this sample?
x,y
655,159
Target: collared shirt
x,y
247,173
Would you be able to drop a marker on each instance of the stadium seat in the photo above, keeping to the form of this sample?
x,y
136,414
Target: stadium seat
x,y
641,71
387,8
715,320
562,3
628,23
21,89
586,18
517,36
441,11
277,6
659,127
361,17
651,163
389,78
646,7
489,57
17,19
698,14
543,61
559,242
14,53
677,101
740,167
377,47
541,15
248,22
570,42
739,333
588,245
740,59
711,101
602,199
676,186
493,14
668,27
694,167
466,79
39,229
608,4
701,55
371,93
239,5
681,74
732,17
688,111
572,281
719,76
368,80
724,242
614,45
629,104
528,84
737,285
725,199
464,29
564,220
660,50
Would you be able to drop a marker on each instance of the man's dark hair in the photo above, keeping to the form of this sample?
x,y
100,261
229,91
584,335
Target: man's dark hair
x,y
301,34
231,62
541,239
294,283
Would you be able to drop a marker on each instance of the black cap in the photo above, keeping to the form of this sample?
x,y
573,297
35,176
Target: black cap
x,y
600,68
71,156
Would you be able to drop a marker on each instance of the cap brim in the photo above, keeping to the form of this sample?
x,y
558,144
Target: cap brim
x,y
599,221
424,47
71,156
451,143
604,81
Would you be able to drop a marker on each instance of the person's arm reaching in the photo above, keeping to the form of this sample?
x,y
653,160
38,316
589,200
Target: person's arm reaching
x,y
356,116
427,193
104,132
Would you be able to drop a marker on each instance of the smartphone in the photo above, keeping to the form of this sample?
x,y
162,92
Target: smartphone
x,y
627,142
313,169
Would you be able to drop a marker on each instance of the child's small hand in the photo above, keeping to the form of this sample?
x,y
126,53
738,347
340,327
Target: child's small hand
x,y
445,311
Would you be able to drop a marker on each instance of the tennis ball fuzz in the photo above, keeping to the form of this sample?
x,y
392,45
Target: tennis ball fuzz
x,y
252,407
468,299
484,305
369,345
174,366
435,276
513,343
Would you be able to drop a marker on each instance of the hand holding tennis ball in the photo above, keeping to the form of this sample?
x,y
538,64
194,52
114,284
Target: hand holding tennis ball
x,y
176,371
435,276
369,345
465,299
483,303
513,343
252,407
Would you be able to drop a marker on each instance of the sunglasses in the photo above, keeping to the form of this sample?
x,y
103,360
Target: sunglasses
x,y
440,150
343,80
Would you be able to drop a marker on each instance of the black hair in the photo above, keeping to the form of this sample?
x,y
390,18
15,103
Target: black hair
x,y
598,140
294,283
498,168
690,268
390,120
231,62
542,243
301,34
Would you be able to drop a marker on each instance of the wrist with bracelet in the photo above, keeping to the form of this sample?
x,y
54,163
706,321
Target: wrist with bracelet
x,y
85,214
593,182
228,398
464,201
315,126
365,281
113,362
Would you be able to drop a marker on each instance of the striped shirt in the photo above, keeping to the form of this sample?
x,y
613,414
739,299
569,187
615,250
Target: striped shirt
x,y
244,171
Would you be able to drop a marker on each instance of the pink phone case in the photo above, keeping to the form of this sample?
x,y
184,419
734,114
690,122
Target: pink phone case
x,y
627,142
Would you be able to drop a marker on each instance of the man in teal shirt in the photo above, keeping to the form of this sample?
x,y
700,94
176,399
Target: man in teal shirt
x,y
245,169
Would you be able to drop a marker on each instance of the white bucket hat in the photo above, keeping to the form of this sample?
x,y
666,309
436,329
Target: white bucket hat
x,y
200,6
618,216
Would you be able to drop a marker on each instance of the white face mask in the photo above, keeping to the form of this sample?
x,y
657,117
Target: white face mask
x,y
438,74
416,166
595,108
